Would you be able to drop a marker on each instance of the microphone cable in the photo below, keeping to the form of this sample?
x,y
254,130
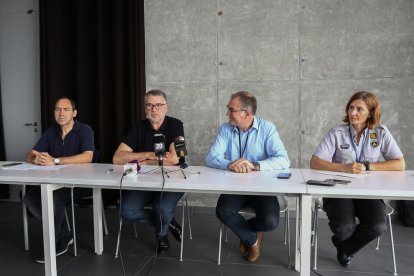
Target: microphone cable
x,y
119,219
158,239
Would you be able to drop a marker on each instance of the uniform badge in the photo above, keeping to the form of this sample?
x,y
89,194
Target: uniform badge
x,y
344,146
374,144
373,135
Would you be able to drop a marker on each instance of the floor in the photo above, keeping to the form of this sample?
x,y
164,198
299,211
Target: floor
x,y
200,253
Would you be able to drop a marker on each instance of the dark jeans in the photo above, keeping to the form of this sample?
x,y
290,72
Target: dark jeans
x,y
349,236
266,219
159,216
61,198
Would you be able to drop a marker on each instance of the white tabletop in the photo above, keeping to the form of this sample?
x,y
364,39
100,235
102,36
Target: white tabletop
x,y
208,181
380,184
13,176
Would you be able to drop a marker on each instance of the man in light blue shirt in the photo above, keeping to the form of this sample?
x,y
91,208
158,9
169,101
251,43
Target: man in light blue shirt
x,y
246,144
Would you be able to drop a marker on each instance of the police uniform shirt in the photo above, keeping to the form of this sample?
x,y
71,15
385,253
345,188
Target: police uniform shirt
x,y
375,145
140,137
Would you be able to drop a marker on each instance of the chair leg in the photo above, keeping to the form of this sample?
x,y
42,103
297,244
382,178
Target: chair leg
x,y
288,234
377,243
286,227
392,245
220,236
67,220
135,231
75,247
188,219
105,225
118,240
182,231
25,224
315,230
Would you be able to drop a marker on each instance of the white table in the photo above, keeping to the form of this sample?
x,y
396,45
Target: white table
x,y
208,181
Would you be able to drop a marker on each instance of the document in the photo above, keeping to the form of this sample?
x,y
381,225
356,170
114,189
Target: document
x,y
28,166
350,175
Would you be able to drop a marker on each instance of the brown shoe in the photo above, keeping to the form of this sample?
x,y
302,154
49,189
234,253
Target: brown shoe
x,y
254,250
243,248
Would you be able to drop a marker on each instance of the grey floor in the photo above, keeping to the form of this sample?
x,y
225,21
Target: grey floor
x,y
200,253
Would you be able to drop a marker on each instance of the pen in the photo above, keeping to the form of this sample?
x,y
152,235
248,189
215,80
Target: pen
x,y
110,170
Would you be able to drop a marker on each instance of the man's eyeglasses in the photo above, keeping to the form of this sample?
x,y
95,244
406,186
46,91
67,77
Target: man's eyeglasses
x,y
232,110
151,106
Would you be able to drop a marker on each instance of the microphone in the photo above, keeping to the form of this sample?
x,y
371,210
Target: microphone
x,y
181,151
159,147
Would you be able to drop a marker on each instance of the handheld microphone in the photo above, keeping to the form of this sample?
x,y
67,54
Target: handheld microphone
x,y
181,151
159,147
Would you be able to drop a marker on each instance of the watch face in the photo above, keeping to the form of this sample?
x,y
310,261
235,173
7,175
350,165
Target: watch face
x,y
57,161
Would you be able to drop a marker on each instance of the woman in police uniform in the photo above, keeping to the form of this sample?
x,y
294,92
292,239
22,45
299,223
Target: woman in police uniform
x,y
361,144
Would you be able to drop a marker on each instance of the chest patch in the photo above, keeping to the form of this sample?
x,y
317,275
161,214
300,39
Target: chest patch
x,y
344,146
374,144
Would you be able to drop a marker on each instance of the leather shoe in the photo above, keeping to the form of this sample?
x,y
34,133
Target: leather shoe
x,y
162,244
254,250
243,247
343,259
175,229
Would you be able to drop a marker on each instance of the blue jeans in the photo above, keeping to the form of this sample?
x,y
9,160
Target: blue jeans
x,y
266,209
159,216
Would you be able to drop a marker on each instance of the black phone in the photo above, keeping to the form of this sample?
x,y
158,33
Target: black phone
x,y
339,181
284,175
326,182
11,164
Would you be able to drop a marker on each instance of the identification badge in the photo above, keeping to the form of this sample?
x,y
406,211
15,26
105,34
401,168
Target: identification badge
x,y
374,144
373,135
344,146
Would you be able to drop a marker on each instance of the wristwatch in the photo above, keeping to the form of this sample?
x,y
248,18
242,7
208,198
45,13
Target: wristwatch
x,y
56,161
256,166
366,166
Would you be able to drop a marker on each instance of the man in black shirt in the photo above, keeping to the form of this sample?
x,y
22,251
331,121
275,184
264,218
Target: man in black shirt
x,y
139,145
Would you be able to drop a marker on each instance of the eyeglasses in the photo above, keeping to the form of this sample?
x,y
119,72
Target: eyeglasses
x,y
232,110
151,106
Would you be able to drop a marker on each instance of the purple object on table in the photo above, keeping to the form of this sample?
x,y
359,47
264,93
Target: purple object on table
x,y
136,162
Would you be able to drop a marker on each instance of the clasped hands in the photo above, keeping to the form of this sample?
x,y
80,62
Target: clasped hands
x,y
44,159
241,165
354,168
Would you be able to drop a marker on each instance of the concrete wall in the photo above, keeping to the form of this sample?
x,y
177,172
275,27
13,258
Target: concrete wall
x,y
302,59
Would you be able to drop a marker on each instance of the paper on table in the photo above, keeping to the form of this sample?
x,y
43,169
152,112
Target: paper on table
x,y
47,168
21,167
350,175
234,174
28,166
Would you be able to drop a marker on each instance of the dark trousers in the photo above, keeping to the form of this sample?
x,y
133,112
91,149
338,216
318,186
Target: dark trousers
x,y
266,209
349,236
61,198
159,216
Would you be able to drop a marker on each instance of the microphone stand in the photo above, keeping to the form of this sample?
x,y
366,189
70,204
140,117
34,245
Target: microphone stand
x,y
183,168
160,167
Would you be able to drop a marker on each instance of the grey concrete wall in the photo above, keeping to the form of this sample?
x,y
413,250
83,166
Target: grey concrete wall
x,y
302,59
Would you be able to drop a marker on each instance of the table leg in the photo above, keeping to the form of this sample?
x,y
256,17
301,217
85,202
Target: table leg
x,y
305,233
48,221
97,220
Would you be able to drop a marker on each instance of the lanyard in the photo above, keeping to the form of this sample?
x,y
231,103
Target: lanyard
x,y
245,144
358,158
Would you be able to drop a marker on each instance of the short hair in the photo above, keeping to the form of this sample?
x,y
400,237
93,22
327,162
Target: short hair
x,y
247,100
374,108
155,93
72,102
